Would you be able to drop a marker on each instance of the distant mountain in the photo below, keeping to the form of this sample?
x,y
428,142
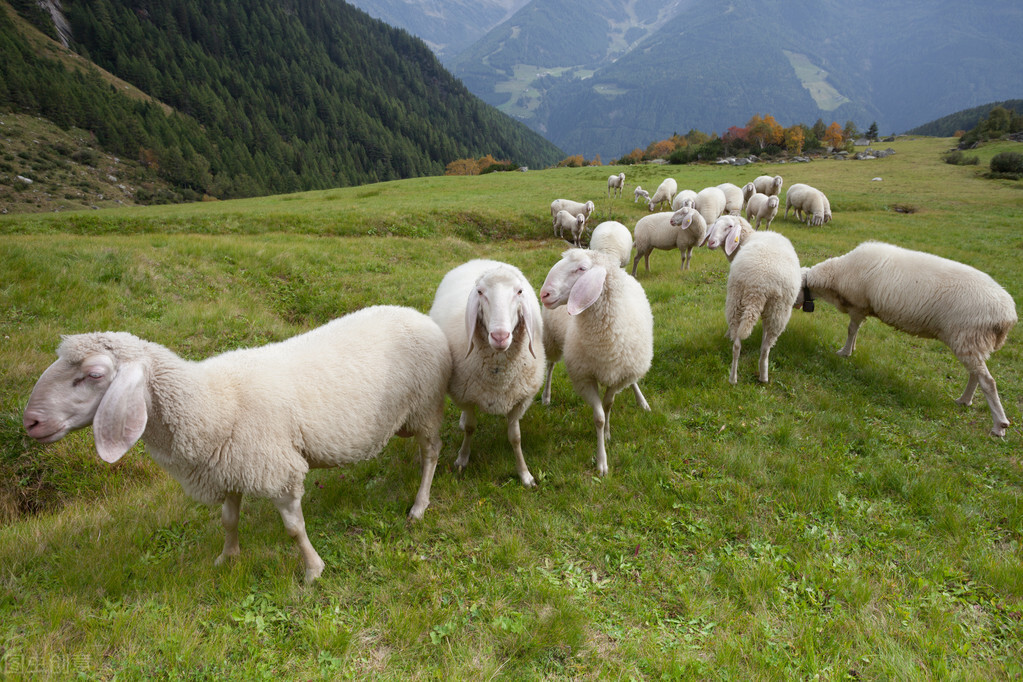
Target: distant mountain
x,y
604,76
965,120
447,26
267,96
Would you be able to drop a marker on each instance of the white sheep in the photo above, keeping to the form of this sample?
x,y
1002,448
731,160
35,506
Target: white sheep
x,y
491,318
663,231
763,208
710,202
768,184
664,194
924,295
763,283
685,197
254,421
566,223
612,237
748,190
640,193
809,201
615,183
734,198
608,332
573,207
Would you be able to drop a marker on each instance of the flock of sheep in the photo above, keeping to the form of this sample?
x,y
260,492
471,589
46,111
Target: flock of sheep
x,y
254,421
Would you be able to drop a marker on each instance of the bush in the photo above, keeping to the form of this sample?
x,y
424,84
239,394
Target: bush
x,y
957,158
1007,163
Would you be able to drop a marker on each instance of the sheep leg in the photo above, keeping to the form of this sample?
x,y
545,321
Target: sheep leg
x,y
635,263
609,400
468,425
979,374
515,438
289,505
639,397
229,513
733,377
765,353
646,261
546,399
850,342
591,394
429,449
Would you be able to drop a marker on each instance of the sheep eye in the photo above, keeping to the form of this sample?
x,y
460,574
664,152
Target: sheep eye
x,y
95,375
520,292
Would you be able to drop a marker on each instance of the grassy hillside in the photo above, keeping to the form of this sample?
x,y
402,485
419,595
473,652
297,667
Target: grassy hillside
x,y
848,520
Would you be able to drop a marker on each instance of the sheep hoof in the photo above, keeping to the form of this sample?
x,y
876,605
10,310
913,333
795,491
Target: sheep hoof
x,y
224,558
461,463
528,480
313,572
843,352
965,401
998,430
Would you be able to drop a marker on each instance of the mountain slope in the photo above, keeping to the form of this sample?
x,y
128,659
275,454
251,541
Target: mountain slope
x,y
268,96
628,73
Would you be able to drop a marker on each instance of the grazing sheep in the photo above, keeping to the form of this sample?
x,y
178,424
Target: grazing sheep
x,y
924,295
685,197
566,223
734,198
612,237
640,192
710,202
664,194
810,201
768,184
662,231
491,318
608,332
615,183
762,207
763,282
573,207
254,421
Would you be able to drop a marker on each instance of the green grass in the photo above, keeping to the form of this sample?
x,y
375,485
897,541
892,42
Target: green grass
x,y
846,521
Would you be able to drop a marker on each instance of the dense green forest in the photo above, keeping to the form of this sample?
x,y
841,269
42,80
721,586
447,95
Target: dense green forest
x,y
269,97
967,119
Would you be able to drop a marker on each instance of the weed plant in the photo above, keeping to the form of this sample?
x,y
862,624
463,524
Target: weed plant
x,y
845,521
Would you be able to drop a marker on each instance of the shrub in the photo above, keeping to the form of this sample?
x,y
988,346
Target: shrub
x,y
1007,163
957,158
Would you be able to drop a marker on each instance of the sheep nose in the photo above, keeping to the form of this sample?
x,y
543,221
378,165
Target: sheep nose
x,y
500,338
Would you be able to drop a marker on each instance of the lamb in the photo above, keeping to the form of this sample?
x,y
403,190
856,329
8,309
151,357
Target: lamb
x,y
763,282
710,202
662,231
924,295
640,192
566,223
607,328
615,183
612,237
491,318
254,421
769,185
573,207
685,197
664,193
734,198
808,200
762,207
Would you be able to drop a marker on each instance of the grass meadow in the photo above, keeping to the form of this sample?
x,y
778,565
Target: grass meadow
x,y
846,521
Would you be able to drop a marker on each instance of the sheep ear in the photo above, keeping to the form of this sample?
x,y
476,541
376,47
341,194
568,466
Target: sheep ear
x,y
586,289
732,240
121,416
472,311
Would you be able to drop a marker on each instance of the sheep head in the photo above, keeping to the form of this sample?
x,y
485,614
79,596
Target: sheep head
x,y
577,280
727,232
498,303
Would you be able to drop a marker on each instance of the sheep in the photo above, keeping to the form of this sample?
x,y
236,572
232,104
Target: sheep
x,y
685,197
734,198
615,183
924,295
763,207
490,315
808,200
573,224
763,282
607,328
662,231
664,193
638,193
573,207
748,190
769,185
612,237
710,202
254,421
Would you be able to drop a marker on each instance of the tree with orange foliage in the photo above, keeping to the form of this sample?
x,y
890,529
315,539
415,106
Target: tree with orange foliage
x,y
795,138
833,136
660,149
765,131
462,167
